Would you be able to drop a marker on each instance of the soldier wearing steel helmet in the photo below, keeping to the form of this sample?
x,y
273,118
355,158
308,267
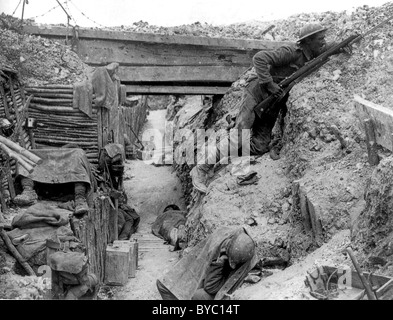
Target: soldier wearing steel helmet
x,y
207,271
271,67
234,252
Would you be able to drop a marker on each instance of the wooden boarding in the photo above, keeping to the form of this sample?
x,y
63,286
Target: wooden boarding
x,y
381,117
149,243
103,52
53,31
201,74
162,89
132,246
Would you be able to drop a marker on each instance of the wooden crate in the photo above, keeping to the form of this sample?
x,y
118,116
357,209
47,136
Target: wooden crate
x,y
117,265
133,250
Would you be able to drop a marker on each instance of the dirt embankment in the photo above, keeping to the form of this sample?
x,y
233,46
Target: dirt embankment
x,y
333,173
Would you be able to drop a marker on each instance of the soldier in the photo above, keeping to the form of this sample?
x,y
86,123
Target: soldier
x,y
204,273
271,67
61,166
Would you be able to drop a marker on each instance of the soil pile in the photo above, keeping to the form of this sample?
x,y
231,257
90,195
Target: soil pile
x,y
38,60
324,150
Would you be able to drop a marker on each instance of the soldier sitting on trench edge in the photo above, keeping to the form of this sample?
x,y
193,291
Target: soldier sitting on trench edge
x,y
68,164
271,67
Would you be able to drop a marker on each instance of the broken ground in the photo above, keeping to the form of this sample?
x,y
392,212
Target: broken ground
x,y
335,179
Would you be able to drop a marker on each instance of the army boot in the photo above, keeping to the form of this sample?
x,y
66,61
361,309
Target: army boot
x,y
28,197
81,206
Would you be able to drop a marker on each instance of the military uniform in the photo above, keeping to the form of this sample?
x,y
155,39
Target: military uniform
x,y
269,66
208,270
253,134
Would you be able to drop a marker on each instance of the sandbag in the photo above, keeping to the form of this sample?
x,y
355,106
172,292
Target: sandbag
x,y
30,242
71,262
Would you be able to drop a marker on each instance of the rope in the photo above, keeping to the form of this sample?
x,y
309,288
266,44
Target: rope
x,y
17,7
41,15
68,15
85,15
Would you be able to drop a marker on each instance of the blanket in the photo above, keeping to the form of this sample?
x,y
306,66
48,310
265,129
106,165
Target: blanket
x,y
60,165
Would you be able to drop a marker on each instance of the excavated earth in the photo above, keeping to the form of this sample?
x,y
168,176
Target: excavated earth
x,y
352,197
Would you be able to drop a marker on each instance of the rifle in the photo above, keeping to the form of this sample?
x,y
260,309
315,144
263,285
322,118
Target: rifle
x,y
268,104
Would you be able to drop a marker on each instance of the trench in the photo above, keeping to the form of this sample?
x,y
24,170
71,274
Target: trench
x,y
150,189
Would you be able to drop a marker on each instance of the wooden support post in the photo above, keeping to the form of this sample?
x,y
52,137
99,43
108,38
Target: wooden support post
x,y
366,284
3,96
11,187
26,104
17,115
373,157
32,140
3,203
135,249
116,220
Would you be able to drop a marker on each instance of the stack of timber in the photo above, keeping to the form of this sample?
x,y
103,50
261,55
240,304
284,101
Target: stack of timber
x,y
59,123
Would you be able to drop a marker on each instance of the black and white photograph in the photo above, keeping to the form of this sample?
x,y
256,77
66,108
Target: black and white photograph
x,y
213,153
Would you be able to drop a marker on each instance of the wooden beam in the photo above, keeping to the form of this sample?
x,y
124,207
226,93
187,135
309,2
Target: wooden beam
x,y
62,32
372,150
191,90
103,52
180,74
381,117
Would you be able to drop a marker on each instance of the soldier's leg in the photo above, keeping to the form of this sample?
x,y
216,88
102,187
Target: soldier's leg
x,y
81,205
260,140
205,164
245,121
28,196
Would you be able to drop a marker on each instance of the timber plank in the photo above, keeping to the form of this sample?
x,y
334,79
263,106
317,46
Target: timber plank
x,y
103,52
180,74
62,32
161,89
381,117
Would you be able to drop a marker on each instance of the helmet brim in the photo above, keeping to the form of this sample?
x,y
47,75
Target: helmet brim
x,y
312,33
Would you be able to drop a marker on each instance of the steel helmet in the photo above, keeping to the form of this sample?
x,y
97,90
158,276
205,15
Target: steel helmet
x,y
241,248
309,30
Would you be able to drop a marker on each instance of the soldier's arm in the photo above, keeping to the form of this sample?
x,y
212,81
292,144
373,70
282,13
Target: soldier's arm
x,y
279,57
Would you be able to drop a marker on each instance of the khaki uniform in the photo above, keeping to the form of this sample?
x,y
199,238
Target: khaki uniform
x,y
269,66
